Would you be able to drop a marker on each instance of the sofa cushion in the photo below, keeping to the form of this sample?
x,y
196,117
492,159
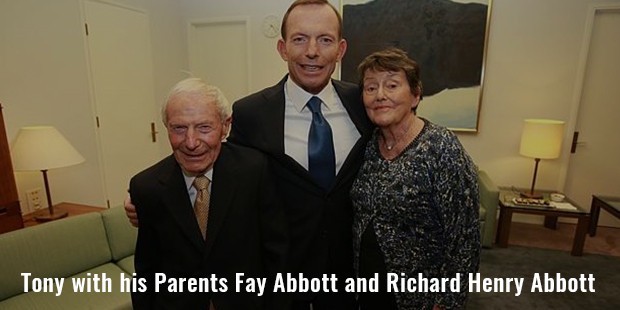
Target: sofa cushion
x,y
60,248
121,235
115,299
127,264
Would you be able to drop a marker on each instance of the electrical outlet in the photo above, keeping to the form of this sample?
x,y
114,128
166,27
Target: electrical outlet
x,y
34,198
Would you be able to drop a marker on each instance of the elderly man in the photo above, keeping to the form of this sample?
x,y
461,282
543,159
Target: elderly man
x,y
206,212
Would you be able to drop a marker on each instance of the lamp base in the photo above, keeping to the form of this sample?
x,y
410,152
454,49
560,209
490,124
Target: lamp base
x,y
51,217
533,195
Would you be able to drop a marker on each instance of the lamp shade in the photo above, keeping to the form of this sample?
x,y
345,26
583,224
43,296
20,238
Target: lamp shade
x,y
542,138
43,148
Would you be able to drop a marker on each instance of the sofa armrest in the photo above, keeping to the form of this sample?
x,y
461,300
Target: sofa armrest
x,y
56,249
489,200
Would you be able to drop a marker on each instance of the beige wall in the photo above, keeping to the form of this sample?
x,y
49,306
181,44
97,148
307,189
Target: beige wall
x,y
531,71
44,79
532,58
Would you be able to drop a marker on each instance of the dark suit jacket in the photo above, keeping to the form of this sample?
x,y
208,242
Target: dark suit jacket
x,y
320,222
246,231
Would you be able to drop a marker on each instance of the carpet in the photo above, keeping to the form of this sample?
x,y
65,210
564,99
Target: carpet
x,y
606,242
531,264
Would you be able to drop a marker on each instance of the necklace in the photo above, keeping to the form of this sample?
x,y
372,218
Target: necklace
x,y
402,138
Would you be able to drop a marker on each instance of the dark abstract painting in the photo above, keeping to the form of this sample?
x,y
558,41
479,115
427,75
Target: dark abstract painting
x,y
447,38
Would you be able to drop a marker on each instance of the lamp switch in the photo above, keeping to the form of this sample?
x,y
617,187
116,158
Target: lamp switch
x,y
34,198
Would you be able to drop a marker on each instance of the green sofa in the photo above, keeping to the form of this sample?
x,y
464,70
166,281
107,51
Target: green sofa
x,y
489,202
104,242
76,247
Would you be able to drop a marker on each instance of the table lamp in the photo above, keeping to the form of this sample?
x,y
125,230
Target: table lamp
x,y
541,139
43,148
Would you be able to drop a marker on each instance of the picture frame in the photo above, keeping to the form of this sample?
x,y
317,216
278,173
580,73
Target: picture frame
x,y
448,39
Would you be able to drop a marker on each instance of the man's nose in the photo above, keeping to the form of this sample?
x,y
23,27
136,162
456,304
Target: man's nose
x,y
191,139
313,49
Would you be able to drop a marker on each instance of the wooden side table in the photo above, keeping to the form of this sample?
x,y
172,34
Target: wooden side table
x,y
72,209
607,203
507,208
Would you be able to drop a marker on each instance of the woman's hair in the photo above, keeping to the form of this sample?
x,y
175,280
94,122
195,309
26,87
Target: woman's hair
x,y
394,60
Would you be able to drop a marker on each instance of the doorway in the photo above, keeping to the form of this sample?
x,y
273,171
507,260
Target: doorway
x,y
121,67
594,168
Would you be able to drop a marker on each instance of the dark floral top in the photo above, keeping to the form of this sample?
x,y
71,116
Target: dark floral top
x,y
423,206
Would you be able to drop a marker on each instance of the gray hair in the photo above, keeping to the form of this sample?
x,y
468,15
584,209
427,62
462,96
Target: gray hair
x,y
197,85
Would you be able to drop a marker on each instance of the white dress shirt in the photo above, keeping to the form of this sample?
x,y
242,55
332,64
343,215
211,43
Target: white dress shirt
x,y
297,120
189,183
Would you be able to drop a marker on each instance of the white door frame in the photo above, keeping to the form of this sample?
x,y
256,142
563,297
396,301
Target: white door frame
x,y
579,82
111,195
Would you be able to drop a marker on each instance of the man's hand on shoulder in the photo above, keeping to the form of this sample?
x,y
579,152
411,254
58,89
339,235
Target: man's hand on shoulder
x,y
130,211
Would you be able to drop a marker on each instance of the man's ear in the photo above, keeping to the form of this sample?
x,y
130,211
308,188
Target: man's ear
x,y
281,47
226,127
342,48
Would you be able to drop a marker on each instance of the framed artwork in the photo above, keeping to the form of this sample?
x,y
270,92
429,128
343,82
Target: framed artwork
x,y
446,37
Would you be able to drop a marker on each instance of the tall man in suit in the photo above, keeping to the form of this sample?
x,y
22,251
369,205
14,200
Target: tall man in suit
x,y
245,225
277,121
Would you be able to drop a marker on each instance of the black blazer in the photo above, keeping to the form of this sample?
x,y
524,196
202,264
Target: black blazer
x,y
246,231
320,222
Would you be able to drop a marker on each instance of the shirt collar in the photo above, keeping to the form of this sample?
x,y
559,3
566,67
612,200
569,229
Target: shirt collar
x,y
189,178
299,97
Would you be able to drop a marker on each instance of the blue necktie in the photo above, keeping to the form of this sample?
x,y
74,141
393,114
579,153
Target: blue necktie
x,y
321,156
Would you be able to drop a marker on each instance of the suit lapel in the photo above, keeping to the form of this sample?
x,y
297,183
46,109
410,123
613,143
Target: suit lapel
x,y
272,119
350,97
223,189
176,199
271,116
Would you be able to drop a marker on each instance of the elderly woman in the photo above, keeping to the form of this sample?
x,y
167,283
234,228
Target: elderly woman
x,y
415,197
